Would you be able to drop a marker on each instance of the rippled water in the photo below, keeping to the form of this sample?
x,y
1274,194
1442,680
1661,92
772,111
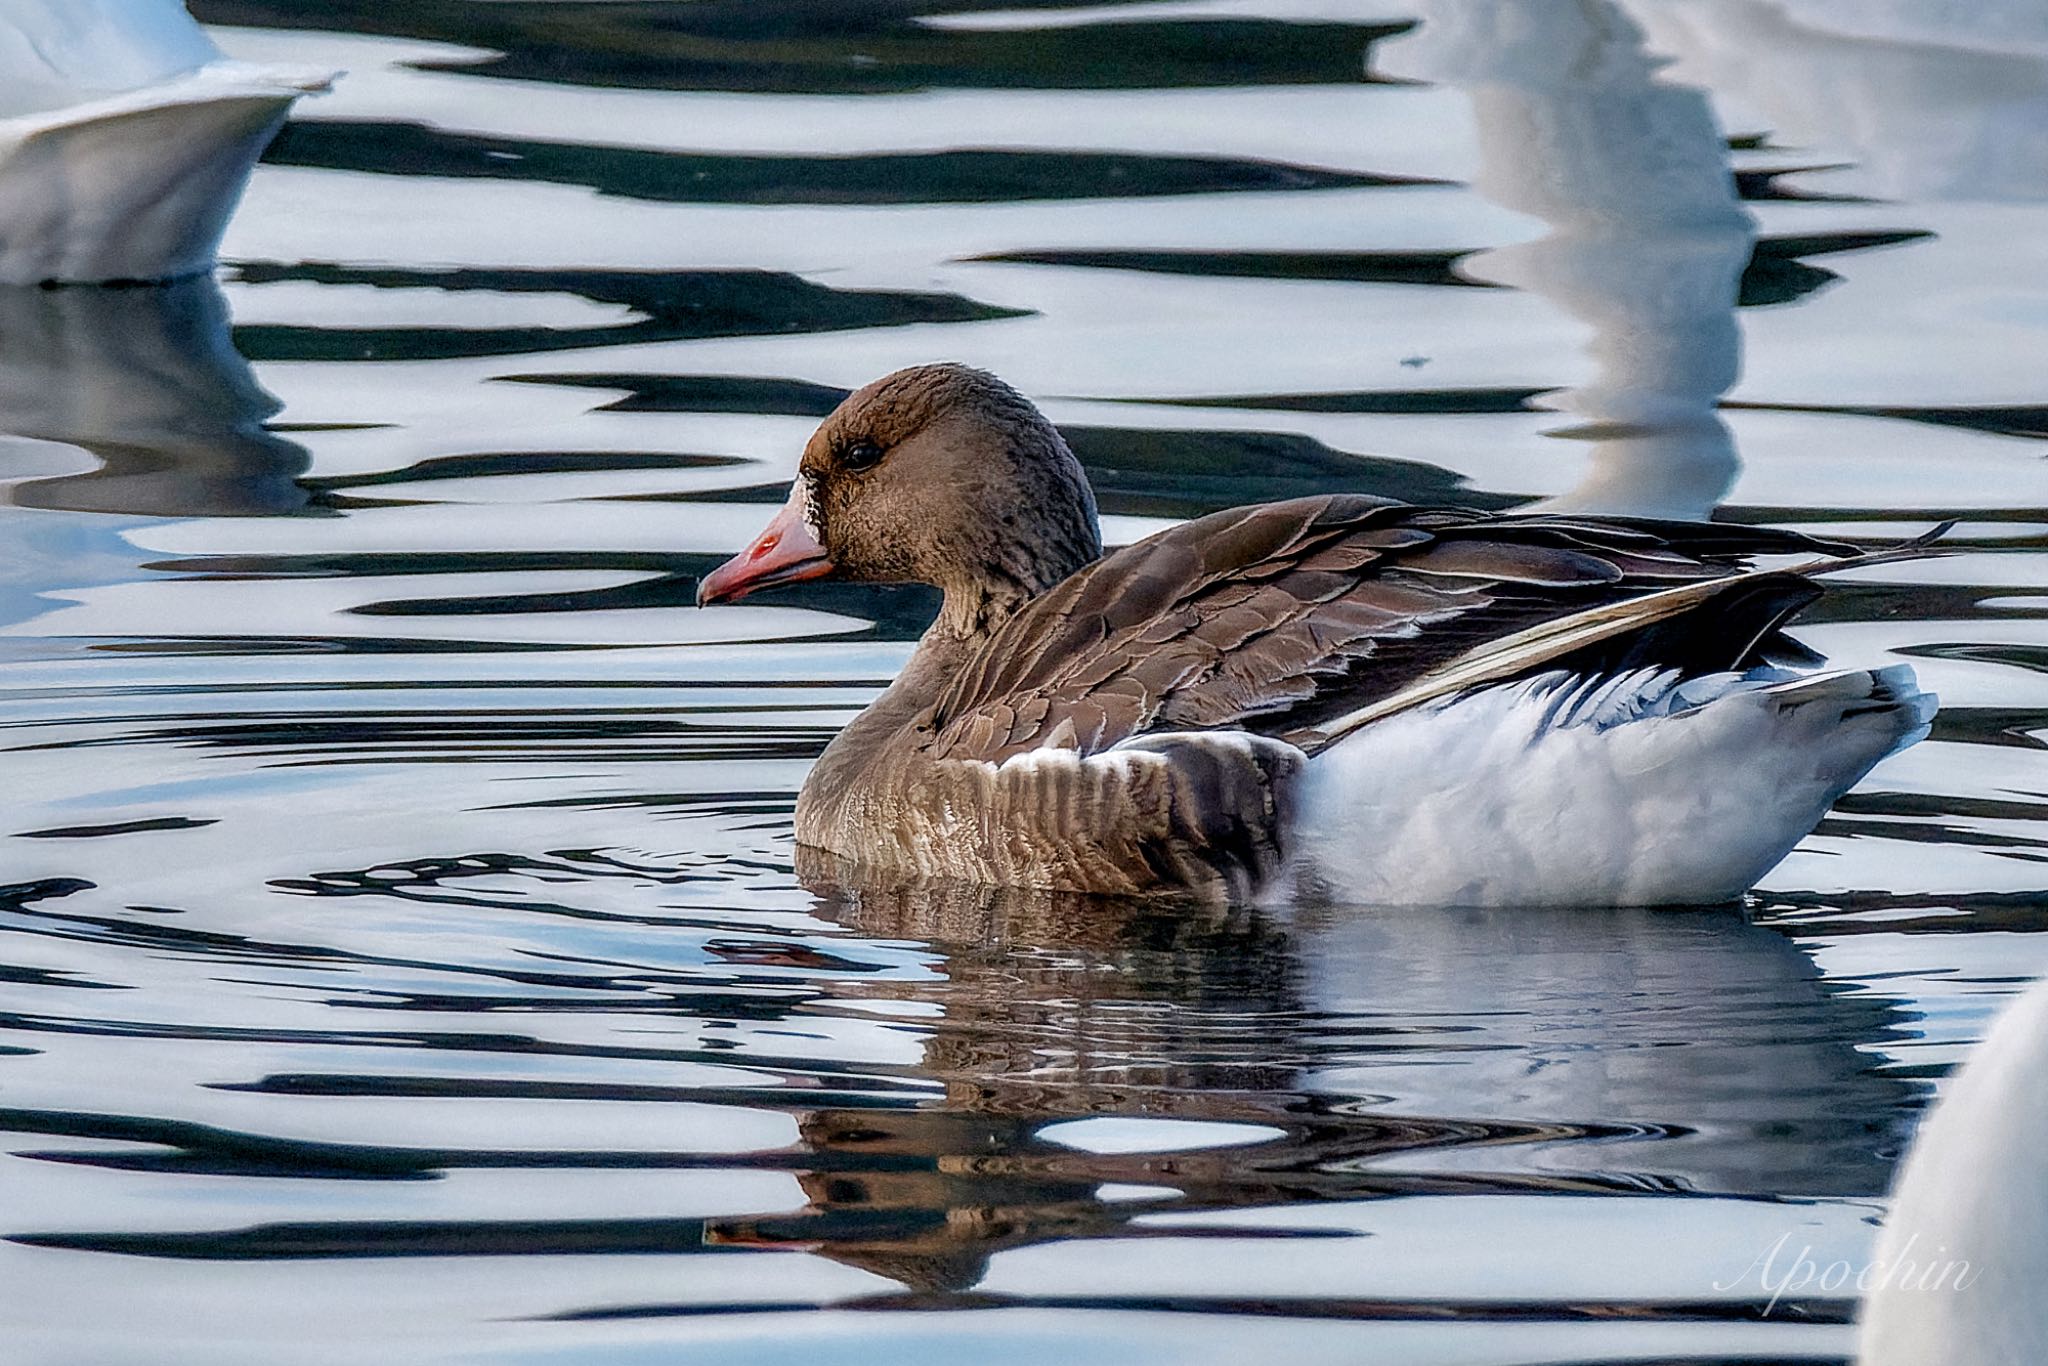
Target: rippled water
x,y
404,957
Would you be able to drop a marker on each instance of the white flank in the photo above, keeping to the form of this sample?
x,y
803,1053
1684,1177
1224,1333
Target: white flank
x,y
1627,790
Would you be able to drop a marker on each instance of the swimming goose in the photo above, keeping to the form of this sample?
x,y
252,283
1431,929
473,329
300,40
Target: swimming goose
x,y
1331,695
125,139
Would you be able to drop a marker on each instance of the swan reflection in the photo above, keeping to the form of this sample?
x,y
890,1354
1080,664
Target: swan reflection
x,y
1931,101
1647,239
146,385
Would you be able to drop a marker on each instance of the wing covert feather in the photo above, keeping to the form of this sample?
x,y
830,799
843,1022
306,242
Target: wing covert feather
x,y
1280,617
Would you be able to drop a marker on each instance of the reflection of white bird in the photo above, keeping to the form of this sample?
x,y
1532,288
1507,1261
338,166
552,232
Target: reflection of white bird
x,y
148,383
125,138
1958,1273
1647,239
1936,99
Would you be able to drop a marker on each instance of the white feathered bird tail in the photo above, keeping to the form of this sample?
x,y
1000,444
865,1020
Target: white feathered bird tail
x,y
1633,789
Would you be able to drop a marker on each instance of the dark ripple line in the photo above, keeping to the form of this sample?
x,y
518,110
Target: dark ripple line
x,y
762,999
1806,1311
554,1237
19,895
295,1242
801,1070
85,832
336,566
287,717
1323,1161
969,175
45,977
472,1088
206,1149
1775,274
487,735
871,47
1883,912
667,306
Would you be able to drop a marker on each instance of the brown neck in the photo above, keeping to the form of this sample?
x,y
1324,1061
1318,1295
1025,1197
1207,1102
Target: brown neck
x,y
976,607
973,611
847,761
1014,572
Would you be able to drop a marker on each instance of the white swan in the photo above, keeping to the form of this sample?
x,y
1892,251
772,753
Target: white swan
x,y
1960,1267
125,139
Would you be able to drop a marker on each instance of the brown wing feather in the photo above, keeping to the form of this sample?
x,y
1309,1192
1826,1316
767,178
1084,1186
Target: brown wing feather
x,y
1282,616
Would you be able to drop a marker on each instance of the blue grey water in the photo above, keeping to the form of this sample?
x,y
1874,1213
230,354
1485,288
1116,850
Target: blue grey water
x,y
401,954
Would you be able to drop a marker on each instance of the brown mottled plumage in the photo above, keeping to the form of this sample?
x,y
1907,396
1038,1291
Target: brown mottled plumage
x,y
1137,723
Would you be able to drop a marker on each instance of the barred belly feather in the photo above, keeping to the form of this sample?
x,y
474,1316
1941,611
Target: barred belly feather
x,y
1205,812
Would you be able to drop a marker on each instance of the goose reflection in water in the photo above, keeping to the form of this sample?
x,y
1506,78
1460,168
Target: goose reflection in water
x,y
1378,1053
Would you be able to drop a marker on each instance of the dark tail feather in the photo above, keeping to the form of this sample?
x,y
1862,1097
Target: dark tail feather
x,y
1734,629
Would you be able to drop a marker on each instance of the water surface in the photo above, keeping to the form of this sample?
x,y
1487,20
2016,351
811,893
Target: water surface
x,y
405,953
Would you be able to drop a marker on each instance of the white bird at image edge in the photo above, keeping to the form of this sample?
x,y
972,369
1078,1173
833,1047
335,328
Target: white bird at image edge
x,y
1960,1266
126,138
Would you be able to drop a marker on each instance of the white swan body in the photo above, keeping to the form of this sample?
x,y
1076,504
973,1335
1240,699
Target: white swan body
x,y
1958,1272
125,139
1636,789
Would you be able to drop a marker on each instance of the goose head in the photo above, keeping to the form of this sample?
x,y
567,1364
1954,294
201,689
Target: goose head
x,y
939,474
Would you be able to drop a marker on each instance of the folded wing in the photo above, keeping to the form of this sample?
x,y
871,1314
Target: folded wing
x,y
1297,620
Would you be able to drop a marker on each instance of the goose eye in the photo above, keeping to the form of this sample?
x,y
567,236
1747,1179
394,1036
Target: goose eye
x,y
861,455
